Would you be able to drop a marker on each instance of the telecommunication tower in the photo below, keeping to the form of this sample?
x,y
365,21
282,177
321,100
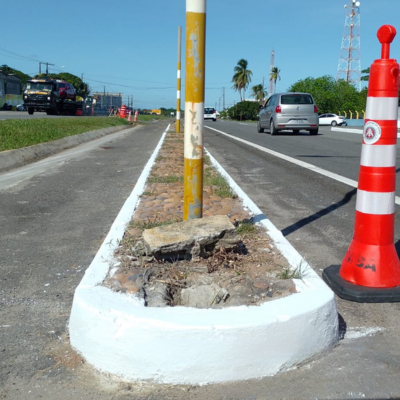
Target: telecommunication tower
x,y
349,67
271,82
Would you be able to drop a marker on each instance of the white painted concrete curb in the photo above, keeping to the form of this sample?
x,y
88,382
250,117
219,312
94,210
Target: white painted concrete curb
x,y
117,334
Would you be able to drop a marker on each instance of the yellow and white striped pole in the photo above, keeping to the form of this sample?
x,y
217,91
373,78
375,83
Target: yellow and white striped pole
x,y
194,108
178,91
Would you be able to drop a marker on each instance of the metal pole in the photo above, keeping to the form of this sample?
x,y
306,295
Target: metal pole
x,y
194,108
178,93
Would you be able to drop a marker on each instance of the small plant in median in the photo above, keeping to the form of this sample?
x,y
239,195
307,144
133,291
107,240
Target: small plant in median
x,y
297,273
218,183
246,228
165,179
148,224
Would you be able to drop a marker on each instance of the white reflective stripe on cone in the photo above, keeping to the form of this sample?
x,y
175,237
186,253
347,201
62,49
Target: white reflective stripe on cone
x,y
378,155
382,108
375,203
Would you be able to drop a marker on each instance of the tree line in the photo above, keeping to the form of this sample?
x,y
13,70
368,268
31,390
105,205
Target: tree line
x,y
82,88
330,95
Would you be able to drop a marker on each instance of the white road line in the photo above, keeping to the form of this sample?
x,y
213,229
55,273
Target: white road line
x,y
303,164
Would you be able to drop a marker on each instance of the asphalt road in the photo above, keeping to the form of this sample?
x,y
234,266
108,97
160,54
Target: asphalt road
x,y
53,221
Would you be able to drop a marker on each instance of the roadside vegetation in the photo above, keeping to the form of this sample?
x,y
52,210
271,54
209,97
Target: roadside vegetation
x,y
147,118
18,133
330,95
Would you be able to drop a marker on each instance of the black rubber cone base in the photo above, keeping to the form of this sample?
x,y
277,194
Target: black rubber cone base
x,y
360,294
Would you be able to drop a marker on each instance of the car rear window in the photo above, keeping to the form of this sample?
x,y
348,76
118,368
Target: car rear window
x,y
296,99
209,111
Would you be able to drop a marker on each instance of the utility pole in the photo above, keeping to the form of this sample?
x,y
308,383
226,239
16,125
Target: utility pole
x,y
194,108
47,67
223,98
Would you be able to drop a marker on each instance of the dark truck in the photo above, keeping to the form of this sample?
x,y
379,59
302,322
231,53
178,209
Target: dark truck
x,y
50,95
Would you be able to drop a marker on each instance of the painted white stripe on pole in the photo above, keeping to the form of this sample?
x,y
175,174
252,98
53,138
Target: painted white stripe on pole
x,y
178,115
382,108
179,74
378,155
196,6
375,203
178,94
302,164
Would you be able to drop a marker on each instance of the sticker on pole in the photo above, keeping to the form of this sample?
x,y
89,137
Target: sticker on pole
x,y
372,132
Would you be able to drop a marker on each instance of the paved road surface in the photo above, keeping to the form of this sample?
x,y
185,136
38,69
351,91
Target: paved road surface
x,y
53,222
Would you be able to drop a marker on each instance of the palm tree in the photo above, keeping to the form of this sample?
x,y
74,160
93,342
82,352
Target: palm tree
x,y
259,92
241,77
274,75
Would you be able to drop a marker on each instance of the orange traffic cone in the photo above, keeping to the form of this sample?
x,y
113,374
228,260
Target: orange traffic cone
x,y
370,270
135,117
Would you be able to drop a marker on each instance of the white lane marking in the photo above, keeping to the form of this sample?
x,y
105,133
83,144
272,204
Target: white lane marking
x,y
359,332
303,164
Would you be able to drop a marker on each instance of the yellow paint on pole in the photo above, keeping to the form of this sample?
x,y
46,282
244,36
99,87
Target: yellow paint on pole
x,y
178,91
194,108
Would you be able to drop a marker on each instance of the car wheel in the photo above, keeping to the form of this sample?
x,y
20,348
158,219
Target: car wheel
x,y
314,131
31,110
259,129
272,129
296,131
214,119
333,123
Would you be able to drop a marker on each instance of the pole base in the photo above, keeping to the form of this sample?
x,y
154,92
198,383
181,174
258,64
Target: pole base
x,y
360,294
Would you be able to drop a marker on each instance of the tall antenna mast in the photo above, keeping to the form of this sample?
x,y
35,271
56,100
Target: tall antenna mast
x,y
271,82
349,66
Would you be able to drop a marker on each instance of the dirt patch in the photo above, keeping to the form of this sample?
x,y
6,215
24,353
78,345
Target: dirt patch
x,y
252,272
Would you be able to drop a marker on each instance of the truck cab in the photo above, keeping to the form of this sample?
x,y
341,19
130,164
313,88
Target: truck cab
x,y
51,96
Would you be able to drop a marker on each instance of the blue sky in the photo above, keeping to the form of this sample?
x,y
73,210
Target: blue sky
x,y
131,47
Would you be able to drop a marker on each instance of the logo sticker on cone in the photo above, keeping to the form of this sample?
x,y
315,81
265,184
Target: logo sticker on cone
x,y
370,270
372,132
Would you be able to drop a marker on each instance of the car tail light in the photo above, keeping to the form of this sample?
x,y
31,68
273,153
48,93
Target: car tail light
x,y
278,109
315,109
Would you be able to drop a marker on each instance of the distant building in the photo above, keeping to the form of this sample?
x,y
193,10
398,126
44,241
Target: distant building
x,y
10,90
107,100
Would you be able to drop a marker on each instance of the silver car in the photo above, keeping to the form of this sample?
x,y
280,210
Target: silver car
x,y
289,111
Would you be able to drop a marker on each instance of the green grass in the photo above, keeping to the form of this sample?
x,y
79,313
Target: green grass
x,y
297,273
219,184
149,224
18,133
165,179
145,118
246,228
